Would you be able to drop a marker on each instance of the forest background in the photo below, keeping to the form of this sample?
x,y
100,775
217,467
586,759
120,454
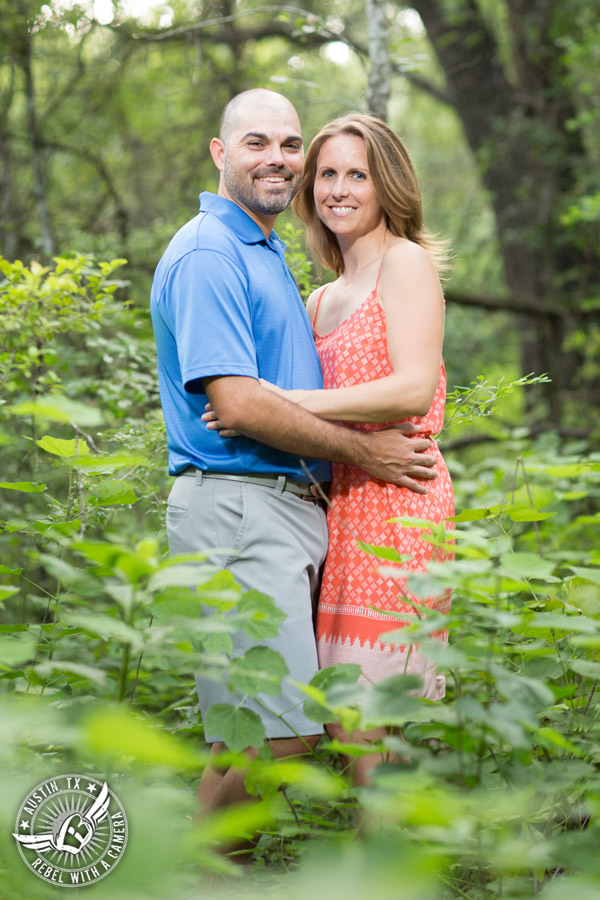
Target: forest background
x,y
106,111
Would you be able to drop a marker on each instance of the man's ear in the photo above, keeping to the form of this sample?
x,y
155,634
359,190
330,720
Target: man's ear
x,y
217,151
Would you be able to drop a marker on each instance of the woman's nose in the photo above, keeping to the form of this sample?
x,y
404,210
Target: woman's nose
x,y
340,187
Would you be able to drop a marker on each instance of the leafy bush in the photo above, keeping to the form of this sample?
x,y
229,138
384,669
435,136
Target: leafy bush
x,y
496,794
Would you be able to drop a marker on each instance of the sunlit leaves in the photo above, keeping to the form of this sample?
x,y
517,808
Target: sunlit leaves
x,y
65,449
113,733
26,487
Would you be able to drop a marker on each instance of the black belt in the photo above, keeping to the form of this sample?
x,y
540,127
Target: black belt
x,y
279,483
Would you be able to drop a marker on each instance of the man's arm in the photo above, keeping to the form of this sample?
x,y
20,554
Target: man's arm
x,y
242,405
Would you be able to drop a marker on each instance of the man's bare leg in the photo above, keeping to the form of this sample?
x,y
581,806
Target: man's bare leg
x,y
210,782
218,789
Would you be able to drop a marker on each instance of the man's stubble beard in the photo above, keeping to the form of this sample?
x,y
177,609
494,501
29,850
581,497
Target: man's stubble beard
x,y
247,195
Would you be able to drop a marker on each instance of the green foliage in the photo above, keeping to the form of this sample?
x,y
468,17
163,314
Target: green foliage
x,y
491,793
480,398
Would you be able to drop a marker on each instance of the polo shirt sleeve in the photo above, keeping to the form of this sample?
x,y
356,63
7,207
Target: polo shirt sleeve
x,y
210,316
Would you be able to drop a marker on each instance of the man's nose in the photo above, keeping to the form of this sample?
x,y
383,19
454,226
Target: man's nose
x,y
275,156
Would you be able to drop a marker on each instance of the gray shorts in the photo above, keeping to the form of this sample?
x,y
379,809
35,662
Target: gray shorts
x,y
279,542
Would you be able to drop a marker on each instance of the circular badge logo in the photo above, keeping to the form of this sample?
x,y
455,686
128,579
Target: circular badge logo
x,y
71,830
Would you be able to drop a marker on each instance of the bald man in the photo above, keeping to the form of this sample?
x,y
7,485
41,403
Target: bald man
x,y
226,312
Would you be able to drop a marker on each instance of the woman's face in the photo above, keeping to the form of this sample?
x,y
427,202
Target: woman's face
x,y
344,193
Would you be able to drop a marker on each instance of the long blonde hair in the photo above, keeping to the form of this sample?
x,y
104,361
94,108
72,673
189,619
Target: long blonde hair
x,y
396,185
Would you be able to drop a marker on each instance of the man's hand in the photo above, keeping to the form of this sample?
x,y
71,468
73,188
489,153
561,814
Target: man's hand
x,y
400,459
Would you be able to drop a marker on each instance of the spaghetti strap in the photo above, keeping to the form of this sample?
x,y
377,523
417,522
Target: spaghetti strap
x,y
314,319
377,279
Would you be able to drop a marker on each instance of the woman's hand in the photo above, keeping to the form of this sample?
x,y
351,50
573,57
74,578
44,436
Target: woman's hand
x,y
296,396
213,423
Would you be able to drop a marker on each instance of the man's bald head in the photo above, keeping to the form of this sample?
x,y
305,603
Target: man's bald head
x,y
251,101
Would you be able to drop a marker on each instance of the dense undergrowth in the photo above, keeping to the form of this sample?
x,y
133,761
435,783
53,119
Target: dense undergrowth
x,y
498,794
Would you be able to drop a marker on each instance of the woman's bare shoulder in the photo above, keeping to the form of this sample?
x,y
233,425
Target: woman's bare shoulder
x,y
403,254
406,269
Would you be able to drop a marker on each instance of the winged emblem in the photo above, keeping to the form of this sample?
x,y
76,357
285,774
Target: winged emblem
x,y
71,832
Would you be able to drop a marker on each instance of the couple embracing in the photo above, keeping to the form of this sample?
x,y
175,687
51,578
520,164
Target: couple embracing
x,y
262,398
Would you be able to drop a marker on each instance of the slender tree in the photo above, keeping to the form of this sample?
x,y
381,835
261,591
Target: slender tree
x,y
378,85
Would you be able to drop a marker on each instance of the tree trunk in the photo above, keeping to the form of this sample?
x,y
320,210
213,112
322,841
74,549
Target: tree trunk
x,y
527,159
378,87
8,232
39,187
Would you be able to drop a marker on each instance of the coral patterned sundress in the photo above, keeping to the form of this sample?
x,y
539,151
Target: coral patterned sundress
x,y
349,623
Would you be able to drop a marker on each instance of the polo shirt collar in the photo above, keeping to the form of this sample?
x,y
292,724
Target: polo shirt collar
x,y
236,219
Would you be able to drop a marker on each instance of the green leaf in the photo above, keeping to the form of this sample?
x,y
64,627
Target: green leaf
x,y
27,487
115,733
83,581
4,570
106,628
528,564
64,449
186,575
389,702
71,668
549,620
567,470
59,409
470,515
533,495
586,667
260,670
113,492
14,651
258,616
7,590
389,553
324,681
526,514
551,736
217,643
587,573
107,463
238,727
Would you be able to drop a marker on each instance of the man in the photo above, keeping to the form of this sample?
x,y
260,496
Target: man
x,y
226,312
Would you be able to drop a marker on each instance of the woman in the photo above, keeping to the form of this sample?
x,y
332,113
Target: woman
x,y
378,330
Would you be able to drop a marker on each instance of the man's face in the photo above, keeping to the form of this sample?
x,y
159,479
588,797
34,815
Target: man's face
x,y
263,160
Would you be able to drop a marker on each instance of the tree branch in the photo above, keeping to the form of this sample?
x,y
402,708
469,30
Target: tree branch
x,y
530,306
438,93
275,28
315,38
95,160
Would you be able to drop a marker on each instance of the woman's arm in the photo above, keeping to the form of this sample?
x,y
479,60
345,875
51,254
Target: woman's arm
x,y
411,294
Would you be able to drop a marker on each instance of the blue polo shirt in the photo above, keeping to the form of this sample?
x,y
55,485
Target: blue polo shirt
x,y
224,302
